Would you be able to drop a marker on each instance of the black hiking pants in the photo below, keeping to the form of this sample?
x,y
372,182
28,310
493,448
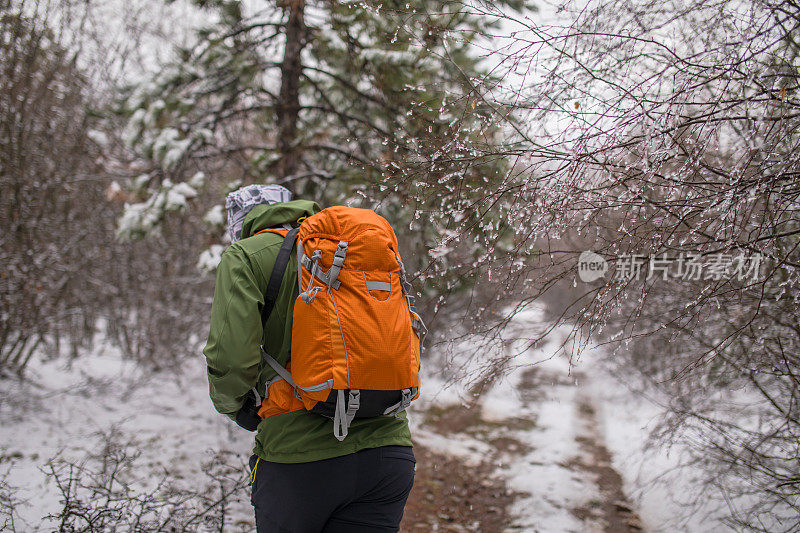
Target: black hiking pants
x,y
362,492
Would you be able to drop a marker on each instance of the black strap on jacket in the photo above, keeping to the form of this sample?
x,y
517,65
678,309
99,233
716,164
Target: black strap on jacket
x,y
276,277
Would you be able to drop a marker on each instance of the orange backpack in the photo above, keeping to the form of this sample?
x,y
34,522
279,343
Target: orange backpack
x,y
356,336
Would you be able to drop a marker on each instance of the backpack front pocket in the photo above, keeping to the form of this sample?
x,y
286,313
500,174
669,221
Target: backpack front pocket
x,y
376,327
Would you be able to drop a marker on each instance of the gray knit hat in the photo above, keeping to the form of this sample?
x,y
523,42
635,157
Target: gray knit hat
x,y
241,201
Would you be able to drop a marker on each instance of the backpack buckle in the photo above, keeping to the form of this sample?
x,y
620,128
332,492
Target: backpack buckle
x,y
338,262
311,291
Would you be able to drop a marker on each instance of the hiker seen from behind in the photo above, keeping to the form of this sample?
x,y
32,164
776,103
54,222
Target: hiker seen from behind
x,y
314,344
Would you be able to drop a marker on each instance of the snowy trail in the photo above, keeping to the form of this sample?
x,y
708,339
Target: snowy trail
x,y
539,425
565,475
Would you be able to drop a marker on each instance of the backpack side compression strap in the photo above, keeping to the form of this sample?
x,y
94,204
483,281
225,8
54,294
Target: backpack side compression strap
x,y
276,277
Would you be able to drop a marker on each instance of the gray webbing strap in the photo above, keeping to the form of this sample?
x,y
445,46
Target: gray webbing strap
x,y
343,416
416,320
276,366
311,291
418,324
324,277
318,387
269,384
278,378
379,286
405,401
338,262
404,279
284,374
405,284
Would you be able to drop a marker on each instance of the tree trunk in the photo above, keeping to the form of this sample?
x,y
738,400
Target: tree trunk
x,y
288,108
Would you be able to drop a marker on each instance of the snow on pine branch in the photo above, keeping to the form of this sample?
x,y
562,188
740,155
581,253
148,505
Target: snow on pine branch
x,y
210,258
142,218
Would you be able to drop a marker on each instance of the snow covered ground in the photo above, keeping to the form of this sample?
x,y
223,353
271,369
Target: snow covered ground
x,y
67,412
532,422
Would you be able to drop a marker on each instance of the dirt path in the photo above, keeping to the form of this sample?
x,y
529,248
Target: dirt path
x,y
452,494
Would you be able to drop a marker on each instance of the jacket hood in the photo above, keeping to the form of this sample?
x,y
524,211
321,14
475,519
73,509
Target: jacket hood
x,y
262,217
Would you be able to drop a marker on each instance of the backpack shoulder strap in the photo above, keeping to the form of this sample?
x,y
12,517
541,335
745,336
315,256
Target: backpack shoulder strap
x,y
276,277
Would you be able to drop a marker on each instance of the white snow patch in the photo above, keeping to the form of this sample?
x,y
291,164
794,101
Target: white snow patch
x,y
141,181
177,195
99,137
542,386
169,148
197,180
134,128
209,259
553,488
470,450
215,216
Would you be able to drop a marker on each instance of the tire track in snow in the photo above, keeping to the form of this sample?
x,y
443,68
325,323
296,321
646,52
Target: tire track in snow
x,y
614,508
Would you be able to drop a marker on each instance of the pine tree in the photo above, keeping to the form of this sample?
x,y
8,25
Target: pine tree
x,y
373,104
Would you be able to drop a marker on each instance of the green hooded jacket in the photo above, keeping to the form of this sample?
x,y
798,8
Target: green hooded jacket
x,y
233,353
